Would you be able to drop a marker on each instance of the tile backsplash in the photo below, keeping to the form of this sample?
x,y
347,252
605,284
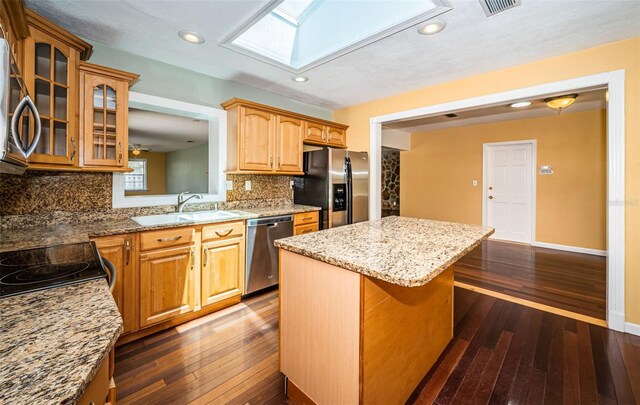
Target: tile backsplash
x,y
46,198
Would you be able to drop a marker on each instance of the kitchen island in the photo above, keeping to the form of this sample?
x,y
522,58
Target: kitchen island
x,y
366,309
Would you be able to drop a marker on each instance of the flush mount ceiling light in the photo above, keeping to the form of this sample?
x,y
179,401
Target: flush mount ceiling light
x,y
136,152
520,104
191,37
300,79
431,27
560,102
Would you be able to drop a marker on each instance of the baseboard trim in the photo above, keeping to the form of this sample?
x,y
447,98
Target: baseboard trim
x,y
632,328
570,248
532,304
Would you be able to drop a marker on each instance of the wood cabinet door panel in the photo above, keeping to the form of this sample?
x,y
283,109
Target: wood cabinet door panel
x,y
289,136
51,75
256,137
222,270
336,137
119,251
104,124
315,133
166,284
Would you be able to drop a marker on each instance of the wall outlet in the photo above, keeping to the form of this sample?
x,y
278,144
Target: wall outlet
x,y
247,185
229,185
475,183
291,184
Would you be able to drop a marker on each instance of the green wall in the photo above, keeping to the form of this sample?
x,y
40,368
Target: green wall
x,y
187,169
169,81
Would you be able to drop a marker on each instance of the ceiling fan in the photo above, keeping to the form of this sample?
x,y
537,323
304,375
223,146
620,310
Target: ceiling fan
x,y
137,148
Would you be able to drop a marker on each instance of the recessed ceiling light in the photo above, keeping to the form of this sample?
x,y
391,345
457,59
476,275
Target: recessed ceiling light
x,y
191,37
431,28
300,79
521,104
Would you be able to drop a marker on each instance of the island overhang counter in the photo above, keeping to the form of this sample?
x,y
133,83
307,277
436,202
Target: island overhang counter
x,y
366,309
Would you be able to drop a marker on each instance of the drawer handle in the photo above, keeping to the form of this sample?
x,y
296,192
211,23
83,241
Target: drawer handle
x,y
307,230
222,234
307,218
175,238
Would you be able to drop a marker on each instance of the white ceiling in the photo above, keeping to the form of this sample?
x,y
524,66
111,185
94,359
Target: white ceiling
x,y
470,44
586,100
164,132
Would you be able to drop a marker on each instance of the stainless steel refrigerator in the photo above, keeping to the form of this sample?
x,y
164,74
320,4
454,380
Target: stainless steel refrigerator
x,y
336,180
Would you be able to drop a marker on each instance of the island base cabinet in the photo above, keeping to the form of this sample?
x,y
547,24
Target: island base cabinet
x,y
347,338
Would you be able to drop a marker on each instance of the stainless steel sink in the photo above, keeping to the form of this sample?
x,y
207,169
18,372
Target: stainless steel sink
x,y
184,217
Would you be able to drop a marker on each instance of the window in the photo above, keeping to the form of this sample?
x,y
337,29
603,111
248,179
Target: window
x,y
137,179
300,34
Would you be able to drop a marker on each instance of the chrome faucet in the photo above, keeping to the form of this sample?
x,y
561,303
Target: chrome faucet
x,y
183,201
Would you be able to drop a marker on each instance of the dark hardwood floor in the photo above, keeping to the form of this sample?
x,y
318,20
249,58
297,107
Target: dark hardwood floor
x,y
501,353
571,281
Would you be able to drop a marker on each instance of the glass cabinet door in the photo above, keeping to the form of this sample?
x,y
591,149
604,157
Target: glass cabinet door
x,y
51,74
103,121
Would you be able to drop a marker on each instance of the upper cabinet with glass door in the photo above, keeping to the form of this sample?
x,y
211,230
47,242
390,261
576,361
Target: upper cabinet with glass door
x,y
51,59
103,116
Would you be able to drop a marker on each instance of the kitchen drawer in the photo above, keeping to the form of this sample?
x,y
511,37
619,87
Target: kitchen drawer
x,y
227,230
302,229
167,238
305,218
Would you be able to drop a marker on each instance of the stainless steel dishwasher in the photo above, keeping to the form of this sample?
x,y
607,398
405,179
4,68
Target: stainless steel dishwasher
x,y
262,255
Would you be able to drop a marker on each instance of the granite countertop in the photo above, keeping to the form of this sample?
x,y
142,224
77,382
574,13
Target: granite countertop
x,y
405,251
35,237
52,342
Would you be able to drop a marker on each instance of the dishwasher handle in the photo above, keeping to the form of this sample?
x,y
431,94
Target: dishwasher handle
x,y
269,221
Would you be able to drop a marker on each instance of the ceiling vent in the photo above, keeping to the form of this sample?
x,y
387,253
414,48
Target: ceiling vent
x,y
493,7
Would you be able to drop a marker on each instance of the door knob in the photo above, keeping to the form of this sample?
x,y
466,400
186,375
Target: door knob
x,y
491,197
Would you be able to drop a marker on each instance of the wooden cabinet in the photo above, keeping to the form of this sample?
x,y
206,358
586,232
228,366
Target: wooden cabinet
x,y
325,135
305,222
256,137
223,258
289,134
315,133
83,107
120,251
166,283
102,389
51,59
266,140
104,106
336,136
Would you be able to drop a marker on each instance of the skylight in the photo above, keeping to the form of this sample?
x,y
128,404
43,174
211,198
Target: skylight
x,y
299,34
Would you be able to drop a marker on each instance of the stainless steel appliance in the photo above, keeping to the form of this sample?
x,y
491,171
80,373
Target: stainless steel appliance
x,y
29,270
19,119
262,255
336,180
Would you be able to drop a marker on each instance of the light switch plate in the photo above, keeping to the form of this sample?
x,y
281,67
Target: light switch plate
x,y
229,185
247,185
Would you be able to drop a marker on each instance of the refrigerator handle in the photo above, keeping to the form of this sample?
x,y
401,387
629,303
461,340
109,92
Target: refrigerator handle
x,y
349,173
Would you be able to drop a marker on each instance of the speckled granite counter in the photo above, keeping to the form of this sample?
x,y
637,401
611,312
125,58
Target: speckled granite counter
x,y
405,251
34,237
52,342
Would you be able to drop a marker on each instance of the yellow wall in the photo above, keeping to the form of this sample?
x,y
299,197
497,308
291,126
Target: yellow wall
x,y
570,203
617,55
156,173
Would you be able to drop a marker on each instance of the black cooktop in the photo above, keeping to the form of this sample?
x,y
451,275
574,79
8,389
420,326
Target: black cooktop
x,y
23,271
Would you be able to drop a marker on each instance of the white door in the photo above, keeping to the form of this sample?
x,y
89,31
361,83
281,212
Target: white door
x,y
509,190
